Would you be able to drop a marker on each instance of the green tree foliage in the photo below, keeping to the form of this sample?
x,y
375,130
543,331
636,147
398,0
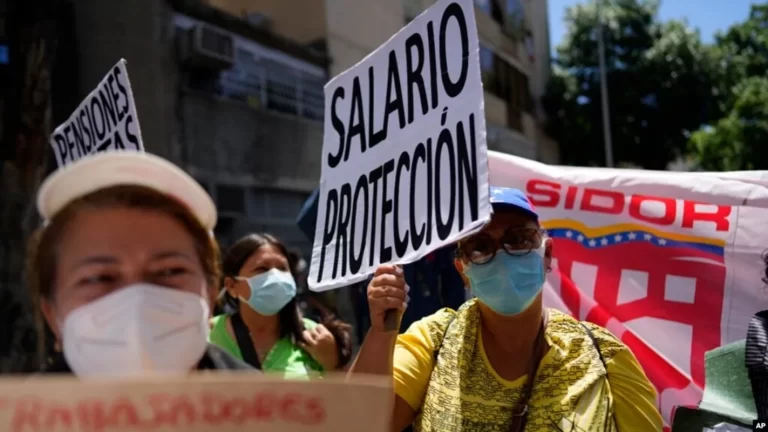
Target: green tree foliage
x,y
659,81
738,140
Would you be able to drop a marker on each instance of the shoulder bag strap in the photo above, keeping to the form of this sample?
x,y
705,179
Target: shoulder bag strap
x,y
440,345
520,410
595,344
244,341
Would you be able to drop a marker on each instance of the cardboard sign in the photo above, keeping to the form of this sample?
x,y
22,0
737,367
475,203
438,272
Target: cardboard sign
x,y
105,120
214,402
404,160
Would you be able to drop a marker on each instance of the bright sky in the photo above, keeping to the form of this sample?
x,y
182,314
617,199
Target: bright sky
x,y
709,16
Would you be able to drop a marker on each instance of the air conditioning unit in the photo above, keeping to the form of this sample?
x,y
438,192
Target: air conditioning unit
x,y
208,47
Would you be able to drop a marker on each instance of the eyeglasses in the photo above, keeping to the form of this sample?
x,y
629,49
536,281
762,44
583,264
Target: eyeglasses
x,y
481,248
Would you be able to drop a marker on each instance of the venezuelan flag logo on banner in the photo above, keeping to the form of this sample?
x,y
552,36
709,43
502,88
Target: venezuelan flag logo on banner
x,y
668,262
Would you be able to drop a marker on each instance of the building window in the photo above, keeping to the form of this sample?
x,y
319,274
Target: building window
x,y
509,14
514,19
313,106
263,78
264,82
274,85
275,211
487,69
491,8
504,80
230,199
264,210
282,88
224,230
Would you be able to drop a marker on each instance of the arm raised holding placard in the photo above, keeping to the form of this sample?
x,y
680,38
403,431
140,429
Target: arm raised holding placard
x,y
387,293
502,362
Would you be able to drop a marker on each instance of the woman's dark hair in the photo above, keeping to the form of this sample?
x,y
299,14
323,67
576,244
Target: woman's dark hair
x,y
765,275
341,331
289,317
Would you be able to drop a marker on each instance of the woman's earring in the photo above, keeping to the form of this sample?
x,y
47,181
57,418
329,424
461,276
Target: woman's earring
x,y
549,270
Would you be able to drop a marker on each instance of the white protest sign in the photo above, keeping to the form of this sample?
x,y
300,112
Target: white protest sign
x,y
219,402
404,160
105,120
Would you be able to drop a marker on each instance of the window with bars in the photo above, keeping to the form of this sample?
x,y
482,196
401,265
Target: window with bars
x,y
244,81
262,78
312,94
274,85
230,199
244,210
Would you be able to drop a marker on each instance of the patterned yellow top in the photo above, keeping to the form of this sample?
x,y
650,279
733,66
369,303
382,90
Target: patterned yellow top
x,y
460,391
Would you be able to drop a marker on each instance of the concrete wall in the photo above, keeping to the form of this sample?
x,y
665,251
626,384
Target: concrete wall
x,y
541,68
548,150
508,141
251,147
491,35
140,31
357,27
495,110
301,20
354,28
538,71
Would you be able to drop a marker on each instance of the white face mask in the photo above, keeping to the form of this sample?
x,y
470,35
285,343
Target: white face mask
x,y
137,330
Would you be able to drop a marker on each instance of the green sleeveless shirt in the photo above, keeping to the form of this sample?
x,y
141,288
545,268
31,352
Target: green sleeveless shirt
x,y
285,358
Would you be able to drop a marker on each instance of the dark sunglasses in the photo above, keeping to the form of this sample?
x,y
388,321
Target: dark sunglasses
x,y
481,248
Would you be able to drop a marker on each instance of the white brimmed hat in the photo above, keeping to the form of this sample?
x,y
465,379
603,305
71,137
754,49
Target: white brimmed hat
x,y
123,168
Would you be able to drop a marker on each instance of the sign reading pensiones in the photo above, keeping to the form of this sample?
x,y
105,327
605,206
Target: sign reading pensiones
x,y
212,402
404,160
105,120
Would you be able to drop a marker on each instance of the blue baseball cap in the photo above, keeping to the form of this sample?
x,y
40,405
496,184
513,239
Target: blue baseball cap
x,y
513,198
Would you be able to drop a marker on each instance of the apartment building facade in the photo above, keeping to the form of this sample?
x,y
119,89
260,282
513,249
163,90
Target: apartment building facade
x,y
515,56
515,64
231,102
232,91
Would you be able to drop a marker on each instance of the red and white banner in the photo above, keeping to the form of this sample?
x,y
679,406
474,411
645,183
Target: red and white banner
x,y
669,262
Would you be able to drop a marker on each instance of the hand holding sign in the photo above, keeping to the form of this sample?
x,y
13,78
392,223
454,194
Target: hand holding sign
x,y
387,297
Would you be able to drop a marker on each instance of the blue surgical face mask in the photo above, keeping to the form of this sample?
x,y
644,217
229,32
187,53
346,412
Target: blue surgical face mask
x,y
270,291
508,284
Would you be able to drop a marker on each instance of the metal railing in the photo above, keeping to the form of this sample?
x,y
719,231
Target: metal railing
x,y
273,85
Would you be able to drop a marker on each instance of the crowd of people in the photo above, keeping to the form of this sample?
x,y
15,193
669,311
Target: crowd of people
x,y
129,279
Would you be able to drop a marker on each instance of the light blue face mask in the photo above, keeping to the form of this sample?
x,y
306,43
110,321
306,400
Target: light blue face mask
x,y
508,284
270,291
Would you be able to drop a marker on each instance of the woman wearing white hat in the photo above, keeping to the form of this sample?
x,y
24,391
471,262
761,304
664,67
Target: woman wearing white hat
x,y
125,268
